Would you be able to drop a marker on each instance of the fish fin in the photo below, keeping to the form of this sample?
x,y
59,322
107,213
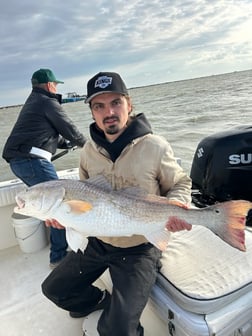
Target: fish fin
x,y
103,183
137,192
132,192
234,227
76,240
78,206
160,239
178,203
100,181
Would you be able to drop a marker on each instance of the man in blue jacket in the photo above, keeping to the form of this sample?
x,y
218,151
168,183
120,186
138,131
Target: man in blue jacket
x,y
42,127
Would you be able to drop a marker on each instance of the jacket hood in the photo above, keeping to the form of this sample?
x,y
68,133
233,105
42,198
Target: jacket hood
x,y
138,127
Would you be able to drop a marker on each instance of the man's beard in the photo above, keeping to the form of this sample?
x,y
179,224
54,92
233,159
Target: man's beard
x,y
113,129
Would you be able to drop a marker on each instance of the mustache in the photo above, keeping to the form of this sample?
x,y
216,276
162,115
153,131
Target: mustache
x,y
111,118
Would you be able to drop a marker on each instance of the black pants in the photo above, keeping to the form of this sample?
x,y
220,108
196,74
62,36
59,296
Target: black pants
x,y
133,272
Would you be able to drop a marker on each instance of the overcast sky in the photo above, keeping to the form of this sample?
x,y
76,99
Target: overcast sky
x,y
146,41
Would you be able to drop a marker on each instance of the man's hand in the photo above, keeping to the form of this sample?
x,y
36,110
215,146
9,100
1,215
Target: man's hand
x,y
53,223
175,224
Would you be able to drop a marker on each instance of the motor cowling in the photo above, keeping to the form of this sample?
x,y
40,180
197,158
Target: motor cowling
x,y
222,167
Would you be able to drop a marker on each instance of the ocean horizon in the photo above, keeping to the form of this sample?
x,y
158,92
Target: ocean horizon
x,y
183,111
149,85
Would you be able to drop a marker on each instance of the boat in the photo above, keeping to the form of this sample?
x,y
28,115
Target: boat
x,y
204,287
72,97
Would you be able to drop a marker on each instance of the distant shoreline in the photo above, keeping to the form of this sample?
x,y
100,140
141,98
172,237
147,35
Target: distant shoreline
x,y
10,106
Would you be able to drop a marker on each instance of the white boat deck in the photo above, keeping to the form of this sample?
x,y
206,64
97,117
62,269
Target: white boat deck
x,y
26,312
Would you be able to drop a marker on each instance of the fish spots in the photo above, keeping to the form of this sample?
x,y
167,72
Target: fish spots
x,y
78,206
241,219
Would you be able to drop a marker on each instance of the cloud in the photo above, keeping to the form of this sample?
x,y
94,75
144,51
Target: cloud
x,y
148,42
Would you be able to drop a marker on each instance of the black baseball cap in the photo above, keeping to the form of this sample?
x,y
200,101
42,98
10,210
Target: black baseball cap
x,y
105,82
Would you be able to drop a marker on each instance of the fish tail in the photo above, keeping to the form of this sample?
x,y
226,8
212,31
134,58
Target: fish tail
x,y
233,231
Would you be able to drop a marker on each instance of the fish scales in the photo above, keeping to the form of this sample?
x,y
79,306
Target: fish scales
x,y
93,208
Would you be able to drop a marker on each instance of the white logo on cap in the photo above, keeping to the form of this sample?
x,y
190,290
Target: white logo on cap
x,y
103,81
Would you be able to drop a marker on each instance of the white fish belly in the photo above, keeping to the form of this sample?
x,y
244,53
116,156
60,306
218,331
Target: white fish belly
x,y
110,221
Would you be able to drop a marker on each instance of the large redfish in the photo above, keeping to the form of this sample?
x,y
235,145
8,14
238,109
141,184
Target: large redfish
x,y
93,208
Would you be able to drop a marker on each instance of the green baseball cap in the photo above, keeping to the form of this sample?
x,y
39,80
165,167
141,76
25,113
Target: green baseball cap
x,y
44,76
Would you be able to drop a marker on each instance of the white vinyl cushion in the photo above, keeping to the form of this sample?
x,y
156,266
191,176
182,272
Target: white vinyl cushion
x,y
202,273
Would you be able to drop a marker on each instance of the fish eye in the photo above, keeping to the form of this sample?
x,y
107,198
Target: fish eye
x,y
217,210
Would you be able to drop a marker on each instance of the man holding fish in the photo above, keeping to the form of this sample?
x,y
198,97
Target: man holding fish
x,y
123,149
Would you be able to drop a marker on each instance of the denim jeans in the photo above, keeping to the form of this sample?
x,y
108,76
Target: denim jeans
x,y
33,171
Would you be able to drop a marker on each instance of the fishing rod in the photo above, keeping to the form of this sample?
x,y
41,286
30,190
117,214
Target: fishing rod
x,y
62,153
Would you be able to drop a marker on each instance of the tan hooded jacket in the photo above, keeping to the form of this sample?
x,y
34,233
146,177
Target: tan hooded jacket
x,y
147,162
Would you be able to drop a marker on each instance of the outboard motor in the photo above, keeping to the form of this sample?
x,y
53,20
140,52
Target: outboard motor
x,y
222,168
